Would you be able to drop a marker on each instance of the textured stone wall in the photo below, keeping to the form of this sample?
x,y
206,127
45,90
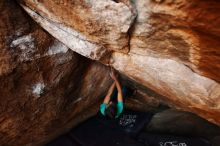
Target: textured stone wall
x,y
44,86
168,50
173,46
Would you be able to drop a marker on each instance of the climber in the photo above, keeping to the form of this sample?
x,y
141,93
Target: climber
x,y
108,107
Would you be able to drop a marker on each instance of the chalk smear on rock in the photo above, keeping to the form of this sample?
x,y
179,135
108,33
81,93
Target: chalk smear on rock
x,y
38,89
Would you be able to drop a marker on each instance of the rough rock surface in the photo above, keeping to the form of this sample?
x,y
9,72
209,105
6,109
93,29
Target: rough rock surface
x,y
173,45
44,86
87,27
166,47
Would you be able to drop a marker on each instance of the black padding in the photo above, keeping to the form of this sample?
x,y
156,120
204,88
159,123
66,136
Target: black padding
x,y
169,140
101,130
124,131
63,141
129,121
89,132
94,133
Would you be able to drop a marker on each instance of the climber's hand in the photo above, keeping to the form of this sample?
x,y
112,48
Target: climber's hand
x,y
102,108
120,107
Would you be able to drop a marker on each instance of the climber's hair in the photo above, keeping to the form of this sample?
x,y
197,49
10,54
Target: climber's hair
x,y
111,111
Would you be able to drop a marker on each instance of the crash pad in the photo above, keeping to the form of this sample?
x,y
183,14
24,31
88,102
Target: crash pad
x,y
127,130
63,140
95,133
131,122
100,129
170,140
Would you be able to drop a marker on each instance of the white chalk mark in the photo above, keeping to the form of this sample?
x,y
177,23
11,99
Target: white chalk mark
x,y
38,88
56,48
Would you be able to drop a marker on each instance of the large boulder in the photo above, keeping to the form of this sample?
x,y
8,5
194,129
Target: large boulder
x,y
45,87
168,50
174,49
90,28
176,122
173,45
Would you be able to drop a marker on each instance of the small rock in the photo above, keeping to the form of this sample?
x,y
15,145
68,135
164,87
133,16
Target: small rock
x,y
182,123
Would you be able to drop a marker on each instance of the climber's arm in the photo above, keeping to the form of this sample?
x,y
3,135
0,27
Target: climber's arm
x,y
119,97
103,106
108,96
120,104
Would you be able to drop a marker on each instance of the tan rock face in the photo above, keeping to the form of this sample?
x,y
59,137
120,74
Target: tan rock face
x,y
45,87
174,45
180,85
169,43
183,30
87,27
